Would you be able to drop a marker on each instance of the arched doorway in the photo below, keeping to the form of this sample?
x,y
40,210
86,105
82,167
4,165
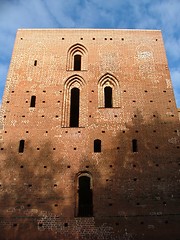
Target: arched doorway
x,y
85,198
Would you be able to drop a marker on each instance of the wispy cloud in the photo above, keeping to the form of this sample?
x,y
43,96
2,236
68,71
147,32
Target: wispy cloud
x,y
147,14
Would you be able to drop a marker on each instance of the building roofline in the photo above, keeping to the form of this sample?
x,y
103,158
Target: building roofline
x,y
91,29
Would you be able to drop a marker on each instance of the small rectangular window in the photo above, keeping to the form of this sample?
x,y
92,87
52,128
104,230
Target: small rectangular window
x,y
97,145
134,145
21,146
33,101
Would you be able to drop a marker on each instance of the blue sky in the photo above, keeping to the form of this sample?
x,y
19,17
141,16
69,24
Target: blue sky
x,y
125,14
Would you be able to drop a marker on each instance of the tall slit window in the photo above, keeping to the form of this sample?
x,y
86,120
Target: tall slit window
x,y
33,101
134,145
85,202
108,97
74,107
21,146
77,62
97,145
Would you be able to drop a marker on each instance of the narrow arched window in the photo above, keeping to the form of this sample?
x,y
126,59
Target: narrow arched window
x,y
108,97
74,107
97,145
21,146
85,201
77,62
134,145
33,101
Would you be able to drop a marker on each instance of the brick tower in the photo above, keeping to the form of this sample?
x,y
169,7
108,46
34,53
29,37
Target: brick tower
x,y
90,137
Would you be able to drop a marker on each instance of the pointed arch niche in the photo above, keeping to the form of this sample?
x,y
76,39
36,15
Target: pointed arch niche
x,y
84,195
74,102
108,91
77,58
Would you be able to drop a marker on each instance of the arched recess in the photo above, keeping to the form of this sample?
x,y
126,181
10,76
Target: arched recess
x,y
74,51
74,82
84,195
108,81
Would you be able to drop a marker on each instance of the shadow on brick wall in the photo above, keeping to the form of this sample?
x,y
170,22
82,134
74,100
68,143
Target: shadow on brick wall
x,y
136,188
28,190
143,184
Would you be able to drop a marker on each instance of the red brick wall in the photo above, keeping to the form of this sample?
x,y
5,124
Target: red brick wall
x,y
135,194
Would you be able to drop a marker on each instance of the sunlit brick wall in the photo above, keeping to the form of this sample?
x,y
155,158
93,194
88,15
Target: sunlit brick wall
x,y
134,188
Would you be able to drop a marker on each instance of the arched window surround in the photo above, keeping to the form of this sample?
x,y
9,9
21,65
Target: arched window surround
x,y
82,174
77,49
74,81
108,80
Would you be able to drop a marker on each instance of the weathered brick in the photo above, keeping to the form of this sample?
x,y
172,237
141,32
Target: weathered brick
x,y
135,193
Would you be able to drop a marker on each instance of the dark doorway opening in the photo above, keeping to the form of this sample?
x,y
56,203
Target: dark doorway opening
x,y
85,203
77,62
74,107
108,97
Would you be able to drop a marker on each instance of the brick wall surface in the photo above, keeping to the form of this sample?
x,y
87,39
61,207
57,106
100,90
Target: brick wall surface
x,y
136,194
